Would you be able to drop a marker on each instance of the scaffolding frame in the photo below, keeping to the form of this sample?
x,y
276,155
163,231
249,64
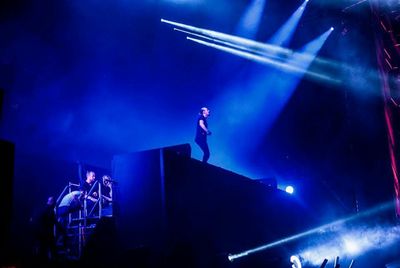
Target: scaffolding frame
x,y
84,220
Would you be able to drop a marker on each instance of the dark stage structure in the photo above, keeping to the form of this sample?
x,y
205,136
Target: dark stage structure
x,y
180,212
7,151
170,210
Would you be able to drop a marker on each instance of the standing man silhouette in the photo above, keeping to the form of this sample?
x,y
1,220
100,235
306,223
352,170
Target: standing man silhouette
x,y
202,132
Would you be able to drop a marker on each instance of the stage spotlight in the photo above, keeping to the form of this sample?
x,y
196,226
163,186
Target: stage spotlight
x,y
351,246
332,28
295,260
285,33
369,238
289,189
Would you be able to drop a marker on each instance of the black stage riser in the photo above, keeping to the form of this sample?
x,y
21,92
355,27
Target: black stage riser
x,y
177,206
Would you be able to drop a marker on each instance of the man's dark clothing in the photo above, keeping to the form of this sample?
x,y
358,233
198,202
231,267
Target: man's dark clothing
x,y
86,187
47,242
201,138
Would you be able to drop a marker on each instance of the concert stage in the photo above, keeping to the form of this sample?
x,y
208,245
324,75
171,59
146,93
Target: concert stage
x,y
175,211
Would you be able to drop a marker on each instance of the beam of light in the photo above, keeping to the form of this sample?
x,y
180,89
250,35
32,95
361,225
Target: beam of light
x,y
279,65
256,47
303,56
353,5
264,85
250,21
311,48
265,53
232,45
350,243
314,46
251,44
266,50
321,229
284,35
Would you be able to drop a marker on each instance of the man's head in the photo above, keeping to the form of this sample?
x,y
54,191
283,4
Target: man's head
x,y
90,176
51,201
204,111
106,180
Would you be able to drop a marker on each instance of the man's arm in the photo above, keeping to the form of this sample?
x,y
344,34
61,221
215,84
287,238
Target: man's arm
x,y
202,125
109,199
91,198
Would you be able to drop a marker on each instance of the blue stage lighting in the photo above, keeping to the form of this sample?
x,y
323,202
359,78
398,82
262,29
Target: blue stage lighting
x,y
251,19
289,189
351,245
332,28
285,33
314,254
295,260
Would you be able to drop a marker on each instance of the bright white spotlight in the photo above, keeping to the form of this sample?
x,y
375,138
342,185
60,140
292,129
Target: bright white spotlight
x,y
289,189
351,246
332,28
377,238
295,260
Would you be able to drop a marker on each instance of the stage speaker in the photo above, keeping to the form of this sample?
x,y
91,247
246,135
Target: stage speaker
x,y
139,197
6,190
102,247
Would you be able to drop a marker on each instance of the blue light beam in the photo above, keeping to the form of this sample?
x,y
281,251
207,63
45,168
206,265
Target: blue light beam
x,y
321,229
284,35
311,48
250,21
264,60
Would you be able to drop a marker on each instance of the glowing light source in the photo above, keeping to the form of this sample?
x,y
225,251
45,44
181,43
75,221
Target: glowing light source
x,y
313,255
351,245
332,28
289,189
296,263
